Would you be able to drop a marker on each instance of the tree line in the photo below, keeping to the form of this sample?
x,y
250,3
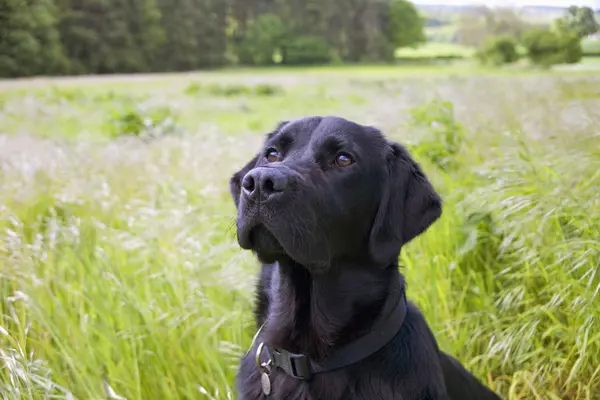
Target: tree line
x,y
558,43
57,37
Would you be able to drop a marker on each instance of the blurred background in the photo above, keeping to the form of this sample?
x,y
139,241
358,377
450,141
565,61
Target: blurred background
x,y
122,121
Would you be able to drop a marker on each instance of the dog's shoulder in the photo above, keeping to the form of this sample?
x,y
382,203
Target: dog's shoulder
x,y
409,364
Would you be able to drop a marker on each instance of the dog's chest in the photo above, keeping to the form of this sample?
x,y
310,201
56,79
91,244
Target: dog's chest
x,y
331,386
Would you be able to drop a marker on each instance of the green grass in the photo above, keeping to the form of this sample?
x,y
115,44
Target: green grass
x,y
119,270
591,47
436,50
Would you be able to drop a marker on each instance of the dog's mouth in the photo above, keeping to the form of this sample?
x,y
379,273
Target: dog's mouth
x,y
260,239
276,239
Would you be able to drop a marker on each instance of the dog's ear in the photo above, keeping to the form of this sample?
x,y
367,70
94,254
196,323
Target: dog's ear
x,y
235,182
409,205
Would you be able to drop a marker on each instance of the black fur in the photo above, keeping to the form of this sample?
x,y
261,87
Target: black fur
x,y
329,237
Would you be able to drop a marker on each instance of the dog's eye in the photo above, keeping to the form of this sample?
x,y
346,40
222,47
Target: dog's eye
x,y
343,160
272,155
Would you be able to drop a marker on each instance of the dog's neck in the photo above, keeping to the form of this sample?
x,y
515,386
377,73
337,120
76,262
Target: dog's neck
x,y
314,314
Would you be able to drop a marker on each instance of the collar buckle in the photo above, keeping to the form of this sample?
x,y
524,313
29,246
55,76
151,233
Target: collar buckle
x,y
296,365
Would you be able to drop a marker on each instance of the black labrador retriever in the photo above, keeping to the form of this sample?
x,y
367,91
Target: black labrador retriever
x,y
326,206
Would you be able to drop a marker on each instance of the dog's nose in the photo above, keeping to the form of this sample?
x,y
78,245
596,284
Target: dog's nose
x,y
263,183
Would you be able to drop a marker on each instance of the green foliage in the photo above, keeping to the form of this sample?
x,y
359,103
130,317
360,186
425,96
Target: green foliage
x,y
264,37
193,89
405,26
579,20
481,235
444,135
142,120
267,36
546,47
305,50
108,36
114,36
29,39
227,90
194,34
572,50
499,51
267,90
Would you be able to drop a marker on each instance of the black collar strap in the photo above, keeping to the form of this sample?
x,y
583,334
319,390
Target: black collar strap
x,y
300,366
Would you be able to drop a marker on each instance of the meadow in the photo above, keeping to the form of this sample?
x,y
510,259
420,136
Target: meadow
x,y
120,276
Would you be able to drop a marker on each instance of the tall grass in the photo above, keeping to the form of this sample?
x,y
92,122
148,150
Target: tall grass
x,y
120,276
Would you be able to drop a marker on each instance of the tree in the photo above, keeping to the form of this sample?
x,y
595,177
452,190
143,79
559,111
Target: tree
x,y
547,47
571,47
481,23
108,36
498,51
263,38
505,21
29,39
195,34
405,26
472,30
126,36
148,36
579,20
304,50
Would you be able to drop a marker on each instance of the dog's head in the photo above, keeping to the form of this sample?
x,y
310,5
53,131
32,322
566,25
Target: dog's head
x,y
324,191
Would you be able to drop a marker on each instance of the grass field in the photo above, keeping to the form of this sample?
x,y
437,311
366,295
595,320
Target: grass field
x,y
120,276
436,50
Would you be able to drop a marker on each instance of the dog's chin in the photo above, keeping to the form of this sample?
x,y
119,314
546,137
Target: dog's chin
x,y
262,242
269,248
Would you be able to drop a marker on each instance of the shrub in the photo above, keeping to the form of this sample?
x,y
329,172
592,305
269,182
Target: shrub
x,y
572,50
444,135
498,51
266,89
193,89
543,46
305,50
227,90
143,121
546,47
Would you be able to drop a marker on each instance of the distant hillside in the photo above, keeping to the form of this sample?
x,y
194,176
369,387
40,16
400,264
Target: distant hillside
x,y
542,13
441,23
444,12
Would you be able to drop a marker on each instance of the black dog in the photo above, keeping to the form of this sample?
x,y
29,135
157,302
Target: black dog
x,y
326,206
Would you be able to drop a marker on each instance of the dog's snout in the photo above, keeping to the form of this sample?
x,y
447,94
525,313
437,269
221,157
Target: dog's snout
x,y
263,183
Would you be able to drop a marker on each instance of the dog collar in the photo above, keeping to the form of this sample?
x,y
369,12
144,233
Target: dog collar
x,y
300,366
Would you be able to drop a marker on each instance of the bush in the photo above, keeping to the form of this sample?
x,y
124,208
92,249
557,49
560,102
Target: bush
x,y
267,90
444,135
498,51
231,90
572,50
228,90
305,50
546,47
543,47
143,121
